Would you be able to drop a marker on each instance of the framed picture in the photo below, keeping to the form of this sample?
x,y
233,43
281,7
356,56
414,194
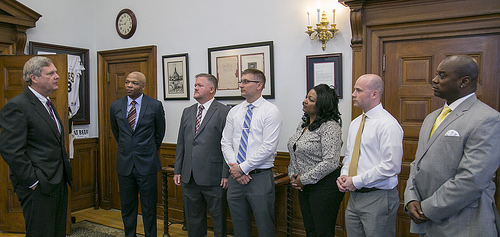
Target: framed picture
x,y
82,116
175,77
325,69
227,63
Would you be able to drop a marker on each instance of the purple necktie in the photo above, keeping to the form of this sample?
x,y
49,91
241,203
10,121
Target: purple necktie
x,y
53,117
198,118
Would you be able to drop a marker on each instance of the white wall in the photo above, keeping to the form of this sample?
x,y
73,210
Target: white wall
x,y
192,26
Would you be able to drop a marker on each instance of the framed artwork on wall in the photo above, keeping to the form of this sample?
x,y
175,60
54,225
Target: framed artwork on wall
x,y
176,77
82,116
325,69
227,63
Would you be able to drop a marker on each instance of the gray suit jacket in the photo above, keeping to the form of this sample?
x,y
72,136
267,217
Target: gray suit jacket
x,y
200,153
452,174
140,146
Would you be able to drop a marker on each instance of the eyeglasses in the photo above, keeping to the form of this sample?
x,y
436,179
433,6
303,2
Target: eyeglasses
x,y
244,82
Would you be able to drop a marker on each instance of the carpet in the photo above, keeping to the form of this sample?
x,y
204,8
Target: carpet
x,y
91,229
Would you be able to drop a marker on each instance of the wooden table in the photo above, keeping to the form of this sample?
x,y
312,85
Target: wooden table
x,y
279,181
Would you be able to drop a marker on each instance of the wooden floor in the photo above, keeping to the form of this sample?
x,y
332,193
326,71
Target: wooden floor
x,y
113,218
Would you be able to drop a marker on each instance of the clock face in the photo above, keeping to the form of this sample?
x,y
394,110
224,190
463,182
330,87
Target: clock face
x,y
126,23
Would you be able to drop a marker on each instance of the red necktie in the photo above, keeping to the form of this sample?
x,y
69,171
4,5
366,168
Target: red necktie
x,y
131,116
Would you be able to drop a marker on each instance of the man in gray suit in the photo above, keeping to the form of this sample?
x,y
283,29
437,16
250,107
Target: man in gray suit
x,y
199,164
138,124
450,189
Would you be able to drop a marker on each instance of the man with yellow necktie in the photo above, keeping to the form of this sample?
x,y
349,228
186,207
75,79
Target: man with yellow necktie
x,y
371,164
450,188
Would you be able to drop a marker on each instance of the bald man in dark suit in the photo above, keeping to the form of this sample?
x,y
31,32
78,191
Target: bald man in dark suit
x,y
32,144
138,124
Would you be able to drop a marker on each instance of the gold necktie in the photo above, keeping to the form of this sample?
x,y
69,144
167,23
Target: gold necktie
x,y
440,119
353,167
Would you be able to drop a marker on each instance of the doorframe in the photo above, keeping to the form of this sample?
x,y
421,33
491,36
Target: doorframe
x,y
104,58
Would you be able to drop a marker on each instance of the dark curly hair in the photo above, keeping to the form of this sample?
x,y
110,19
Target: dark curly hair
x,y
327,108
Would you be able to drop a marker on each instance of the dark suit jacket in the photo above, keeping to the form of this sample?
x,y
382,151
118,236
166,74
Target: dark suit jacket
x,y
200,153
452,174
138,147
31,145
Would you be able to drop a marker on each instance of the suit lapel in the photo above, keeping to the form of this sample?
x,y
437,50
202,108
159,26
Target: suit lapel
x,y
191,119
144,107
124,112
454,115
42,111
208,115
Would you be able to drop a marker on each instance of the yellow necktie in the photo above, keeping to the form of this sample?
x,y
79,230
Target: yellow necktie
x,y
446,110
353,167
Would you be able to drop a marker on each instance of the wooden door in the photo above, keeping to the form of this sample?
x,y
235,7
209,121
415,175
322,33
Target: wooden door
x,y
410,67
12,84
114,66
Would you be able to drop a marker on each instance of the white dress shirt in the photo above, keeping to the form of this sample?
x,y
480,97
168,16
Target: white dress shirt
x,y
262,139
380,153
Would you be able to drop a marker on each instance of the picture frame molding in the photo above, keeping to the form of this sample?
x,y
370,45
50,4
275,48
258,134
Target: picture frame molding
x,y
337,79
82,117
166,59
244,51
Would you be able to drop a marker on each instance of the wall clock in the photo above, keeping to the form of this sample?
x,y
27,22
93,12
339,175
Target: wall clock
x,y
126,23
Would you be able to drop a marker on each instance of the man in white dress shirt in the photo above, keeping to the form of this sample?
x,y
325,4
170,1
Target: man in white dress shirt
x,y
376,162
249,143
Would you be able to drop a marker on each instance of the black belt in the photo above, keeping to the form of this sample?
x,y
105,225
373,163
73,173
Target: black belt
x,y
256,171
366,190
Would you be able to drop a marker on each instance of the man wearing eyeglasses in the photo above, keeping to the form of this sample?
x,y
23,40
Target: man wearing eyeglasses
x,y
249,143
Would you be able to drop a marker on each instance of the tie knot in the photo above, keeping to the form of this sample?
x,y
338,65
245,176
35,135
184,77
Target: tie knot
x,y
133,102
201,107
251,106
446,110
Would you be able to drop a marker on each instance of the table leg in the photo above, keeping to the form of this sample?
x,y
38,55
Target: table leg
x,y
165,205
289,209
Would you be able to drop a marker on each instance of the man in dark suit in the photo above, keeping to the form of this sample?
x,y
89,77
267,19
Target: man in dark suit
x,y
32,144
450,190
138,124
199,164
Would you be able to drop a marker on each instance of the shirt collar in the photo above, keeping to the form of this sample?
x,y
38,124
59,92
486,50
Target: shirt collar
x,y
456,103
256,103
138,100
374,110
207,104
40,97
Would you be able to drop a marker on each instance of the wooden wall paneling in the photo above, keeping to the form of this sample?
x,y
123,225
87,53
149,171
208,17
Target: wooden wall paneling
x,y
15,19
84,192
